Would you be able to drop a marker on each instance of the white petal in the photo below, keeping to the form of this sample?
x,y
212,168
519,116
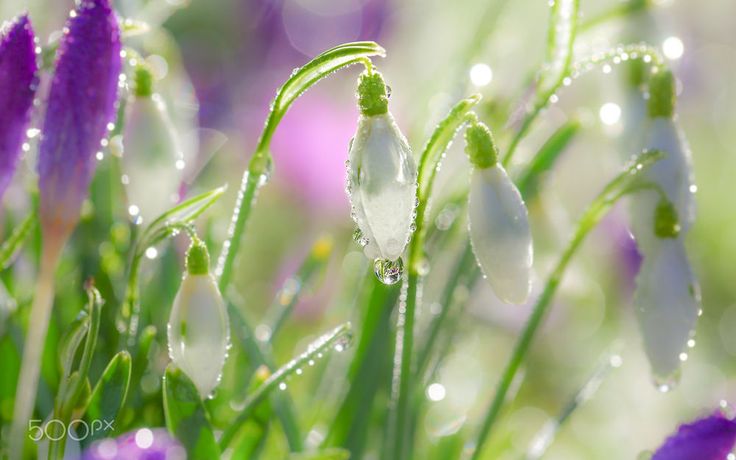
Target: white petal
x,y
673,174
500,234
198,332
382,181
667,304
152,151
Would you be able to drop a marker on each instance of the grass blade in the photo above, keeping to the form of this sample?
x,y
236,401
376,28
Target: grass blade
x,y
109,394
337,338
14,243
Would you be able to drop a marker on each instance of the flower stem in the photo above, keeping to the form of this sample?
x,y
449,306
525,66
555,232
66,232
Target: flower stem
x,y
621,185
25,397
301,80
399,446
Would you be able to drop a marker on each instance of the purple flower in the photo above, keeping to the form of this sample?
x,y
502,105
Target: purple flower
x,y
81,104
141,444
710,438
17,86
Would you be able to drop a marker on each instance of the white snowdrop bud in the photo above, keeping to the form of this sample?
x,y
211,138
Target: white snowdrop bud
x,y
198,329
381,176
153,161
498,221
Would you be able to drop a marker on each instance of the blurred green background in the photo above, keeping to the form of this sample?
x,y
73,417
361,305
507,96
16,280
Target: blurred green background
x,y
218,64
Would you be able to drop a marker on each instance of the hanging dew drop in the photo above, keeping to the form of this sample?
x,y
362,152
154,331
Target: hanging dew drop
x,y
360,238
388,272
666,384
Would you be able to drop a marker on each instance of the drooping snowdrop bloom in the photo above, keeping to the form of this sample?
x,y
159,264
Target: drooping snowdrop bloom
x,y
667,297
153,161
709,438
17,87
381,176
497,220
198,329
81,104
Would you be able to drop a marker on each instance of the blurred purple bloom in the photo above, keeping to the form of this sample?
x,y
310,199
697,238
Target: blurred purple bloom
x,y
710,438
141,444
17,86
312,163
81,103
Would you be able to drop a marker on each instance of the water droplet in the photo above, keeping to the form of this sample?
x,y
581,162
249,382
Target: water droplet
x,y
423,267
388,91
360,238
282,386
388,272
667,384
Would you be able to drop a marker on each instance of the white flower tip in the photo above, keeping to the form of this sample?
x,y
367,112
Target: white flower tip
x,y
500,234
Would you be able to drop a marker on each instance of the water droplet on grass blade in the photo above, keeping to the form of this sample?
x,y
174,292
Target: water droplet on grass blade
x,y
360,238
387,271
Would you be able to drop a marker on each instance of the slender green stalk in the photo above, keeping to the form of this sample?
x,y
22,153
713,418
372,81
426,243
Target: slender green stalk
x,y
14,243
429,163
330,340
621,185
260,163
559,61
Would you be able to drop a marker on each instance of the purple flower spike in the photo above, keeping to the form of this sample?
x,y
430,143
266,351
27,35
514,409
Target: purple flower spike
x,y
81,104
17,86
710,438
141,444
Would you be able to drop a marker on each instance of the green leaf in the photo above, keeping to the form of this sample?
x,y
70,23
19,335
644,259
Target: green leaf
x,y
186,417
322,454
70,343
110,392
14,244
178,217
337,338
545,158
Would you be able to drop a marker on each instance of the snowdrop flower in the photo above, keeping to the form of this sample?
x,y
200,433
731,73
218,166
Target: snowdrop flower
x,y
667,297
498,220
17,86
153,161
381,176
709,438
198,329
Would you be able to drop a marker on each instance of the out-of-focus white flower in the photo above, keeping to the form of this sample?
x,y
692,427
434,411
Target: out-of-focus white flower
x,y
667,297
667,303
198,329
498,221
153,161
381,176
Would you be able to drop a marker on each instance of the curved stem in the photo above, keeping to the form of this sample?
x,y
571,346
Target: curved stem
x,y
430,161
646,53
623,184
258,168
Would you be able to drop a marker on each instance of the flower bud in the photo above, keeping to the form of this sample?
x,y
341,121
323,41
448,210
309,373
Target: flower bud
x,y
153,161
667,298
498,221
381,176
198,329
17,87
81,103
